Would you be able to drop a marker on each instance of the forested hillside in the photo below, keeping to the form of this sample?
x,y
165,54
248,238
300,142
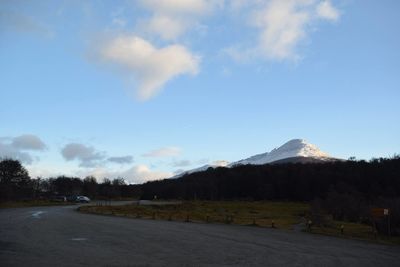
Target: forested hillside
x,y
346,190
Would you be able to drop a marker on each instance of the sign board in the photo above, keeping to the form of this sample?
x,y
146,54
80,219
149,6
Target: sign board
x,y
386,212
379,212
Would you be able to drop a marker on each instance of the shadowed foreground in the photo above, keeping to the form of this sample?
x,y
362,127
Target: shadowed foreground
x,y
60,236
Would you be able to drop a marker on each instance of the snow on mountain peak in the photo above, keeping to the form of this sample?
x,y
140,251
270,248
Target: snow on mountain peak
x,y
291,149
300,148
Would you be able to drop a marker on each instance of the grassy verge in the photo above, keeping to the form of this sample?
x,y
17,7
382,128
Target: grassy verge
x,y
31,203
284,215
354,231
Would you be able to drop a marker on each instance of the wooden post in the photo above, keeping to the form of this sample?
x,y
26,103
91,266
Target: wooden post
x,y
187,218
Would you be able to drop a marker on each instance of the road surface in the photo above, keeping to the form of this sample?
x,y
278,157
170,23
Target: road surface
x,y
61,236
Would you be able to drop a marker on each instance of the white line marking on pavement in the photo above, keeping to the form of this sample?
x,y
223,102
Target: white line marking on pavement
x,y
37,214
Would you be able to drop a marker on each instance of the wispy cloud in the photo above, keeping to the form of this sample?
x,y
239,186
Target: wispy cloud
x,y
163,152
282,25
172,18
327,11
150,67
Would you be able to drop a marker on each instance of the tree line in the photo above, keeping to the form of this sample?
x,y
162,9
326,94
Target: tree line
x,y
16,184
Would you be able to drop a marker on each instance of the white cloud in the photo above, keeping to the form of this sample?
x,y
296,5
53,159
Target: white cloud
x,y
282,25
142,173
17,147
168,28
164,152
150,67
327,11
172,18
137,174
86,155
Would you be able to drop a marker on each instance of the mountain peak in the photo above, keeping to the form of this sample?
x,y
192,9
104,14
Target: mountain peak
x,y
293,144
291,149
298,148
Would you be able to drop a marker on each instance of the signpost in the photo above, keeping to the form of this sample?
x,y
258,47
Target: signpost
x,y
381,213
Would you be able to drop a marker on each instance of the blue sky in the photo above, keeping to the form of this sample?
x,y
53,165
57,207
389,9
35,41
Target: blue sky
x,y
142,89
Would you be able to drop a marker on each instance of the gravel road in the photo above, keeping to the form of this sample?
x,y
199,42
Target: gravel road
x,y
61,236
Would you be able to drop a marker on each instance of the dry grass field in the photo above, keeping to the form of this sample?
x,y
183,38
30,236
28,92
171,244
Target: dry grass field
x,y
282,215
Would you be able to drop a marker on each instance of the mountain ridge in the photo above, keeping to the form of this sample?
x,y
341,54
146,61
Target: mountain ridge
x,y
295,150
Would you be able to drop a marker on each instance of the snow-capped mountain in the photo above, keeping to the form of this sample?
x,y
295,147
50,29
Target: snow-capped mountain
x,y
296,148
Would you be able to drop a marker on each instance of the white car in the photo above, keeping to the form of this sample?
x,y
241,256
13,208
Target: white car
x,y
82,199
